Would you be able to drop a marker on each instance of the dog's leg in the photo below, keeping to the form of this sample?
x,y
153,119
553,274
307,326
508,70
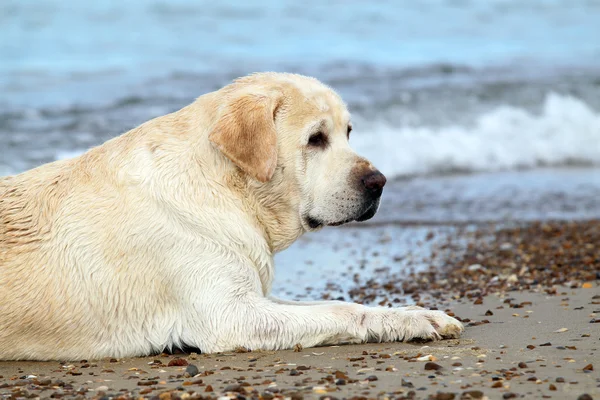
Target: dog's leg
x,y
239,315
302,303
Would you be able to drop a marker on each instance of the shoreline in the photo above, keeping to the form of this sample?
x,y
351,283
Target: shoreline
x,y
530,333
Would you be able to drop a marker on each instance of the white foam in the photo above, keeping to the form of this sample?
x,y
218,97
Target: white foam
x,y
566,131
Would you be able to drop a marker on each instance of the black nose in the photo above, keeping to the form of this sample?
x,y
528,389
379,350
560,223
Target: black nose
x,y
374,181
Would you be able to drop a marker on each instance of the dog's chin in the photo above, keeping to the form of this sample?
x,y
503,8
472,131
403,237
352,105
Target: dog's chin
x,y
370,213
315,223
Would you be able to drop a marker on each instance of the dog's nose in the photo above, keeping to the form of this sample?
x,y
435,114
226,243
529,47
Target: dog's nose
x,y
374,182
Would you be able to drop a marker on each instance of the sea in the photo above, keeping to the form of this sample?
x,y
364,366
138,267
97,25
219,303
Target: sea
x,y
476,110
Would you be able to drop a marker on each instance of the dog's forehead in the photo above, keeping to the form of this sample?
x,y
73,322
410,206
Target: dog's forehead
x,y
322,97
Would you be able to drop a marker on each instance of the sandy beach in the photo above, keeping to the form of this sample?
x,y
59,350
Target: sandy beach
x,y
530,333
547,347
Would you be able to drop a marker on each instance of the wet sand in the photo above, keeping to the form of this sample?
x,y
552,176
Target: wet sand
x,y
530,303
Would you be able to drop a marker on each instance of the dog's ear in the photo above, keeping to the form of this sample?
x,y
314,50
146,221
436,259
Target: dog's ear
x,y
245,133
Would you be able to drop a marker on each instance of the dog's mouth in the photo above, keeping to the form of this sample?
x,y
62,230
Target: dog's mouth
x,y
314,223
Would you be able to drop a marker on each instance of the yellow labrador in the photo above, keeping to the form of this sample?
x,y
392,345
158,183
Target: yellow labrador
x,y
165,235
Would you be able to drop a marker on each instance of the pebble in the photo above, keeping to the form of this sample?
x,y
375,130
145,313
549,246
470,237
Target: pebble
x,y
443,396
178,362
192,370
233,388
431,366
147,383
472,394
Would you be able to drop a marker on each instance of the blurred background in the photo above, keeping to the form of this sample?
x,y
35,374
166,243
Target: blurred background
x,y
481,109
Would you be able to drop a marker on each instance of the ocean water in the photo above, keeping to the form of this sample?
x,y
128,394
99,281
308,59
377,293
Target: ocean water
x,y
435,86
476,110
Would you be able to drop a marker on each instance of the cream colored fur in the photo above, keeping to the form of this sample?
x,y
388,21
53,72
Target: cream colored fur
x,y
165,236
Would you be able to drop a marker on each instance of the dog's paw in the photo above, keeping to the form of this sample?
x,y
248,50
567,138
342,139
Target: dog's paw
x,y
444,325
412,323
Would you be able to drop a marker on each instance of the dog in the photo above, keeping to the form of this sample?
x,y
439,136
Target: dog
x,y
164,236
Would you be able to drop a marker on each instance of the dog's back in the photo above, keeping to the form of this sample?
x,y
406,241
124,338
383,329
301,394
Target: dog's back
x,y
70,240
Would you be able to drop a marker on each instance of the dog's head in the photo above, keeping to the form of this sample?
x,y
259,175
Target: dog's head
x,y
290,135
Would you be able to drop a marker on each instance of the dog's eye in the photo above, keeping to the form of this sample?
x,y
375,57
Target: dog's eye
x,y
349,130
317,140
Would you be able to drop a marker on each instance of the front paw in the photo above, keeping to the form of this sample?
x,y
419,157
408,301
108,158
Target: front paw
x,y
410,323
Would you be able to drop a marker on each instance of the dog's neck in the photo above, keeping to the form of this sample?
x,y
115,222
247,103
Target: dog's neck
x,y
269,203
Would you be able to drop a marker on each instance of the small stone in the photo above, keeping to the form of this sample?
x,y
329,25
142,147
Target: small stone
x,y
552,387
372,378
298,348
472,394
560,379
585,396
340,375
546,344
509,395
443,396
340,382
431,366
294,372
489,312
522,365
209,388
407,384
497,385
147,383
233,388
192,370
178,362
588,368
428,357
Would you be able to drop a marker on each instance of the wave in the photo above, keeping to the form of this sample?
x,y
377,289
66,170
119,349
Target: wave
x,y
566,132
